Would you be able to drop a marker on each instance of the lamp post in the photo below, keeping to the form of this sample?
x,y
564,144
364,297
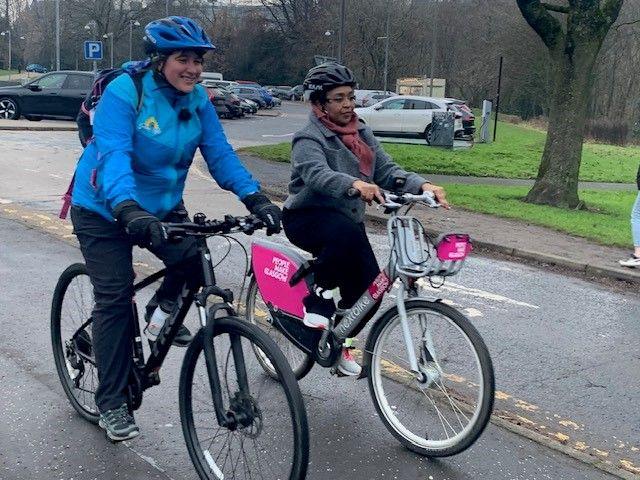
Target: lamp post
x,y
132,23
57,34
110,36
386,58
7,33
88,27
330,34
343,9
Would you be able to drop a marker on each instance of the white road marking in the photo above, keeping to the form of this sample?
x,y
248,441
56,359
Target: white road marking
x,y
5,201
31,170
55,176
475,292
277,136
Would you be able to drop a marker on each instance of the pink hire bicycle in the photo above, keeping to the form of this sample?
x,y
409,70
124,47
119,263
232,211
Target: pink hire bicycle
x,y
430,374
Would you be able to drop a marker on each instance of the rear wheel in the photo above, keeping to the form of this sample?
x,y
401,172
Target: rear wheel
x,y
71,339
258,314
268,437
427,134
9,108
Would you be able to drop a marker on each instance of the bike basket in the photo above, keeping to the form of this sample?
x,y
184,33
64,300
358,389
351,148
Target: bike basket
x,y
418,255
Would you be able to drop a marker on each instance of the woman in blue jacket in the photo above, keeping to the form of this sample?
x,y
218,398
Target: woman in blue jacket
x,y
131,177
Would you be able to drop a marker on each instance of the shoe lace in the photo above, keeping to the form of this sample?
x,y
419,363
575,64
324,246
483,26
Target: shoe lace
x,y
120,414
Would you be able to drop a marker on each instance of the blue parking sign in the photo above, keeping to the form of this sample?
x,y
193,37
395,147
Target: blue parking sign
x,y
93,50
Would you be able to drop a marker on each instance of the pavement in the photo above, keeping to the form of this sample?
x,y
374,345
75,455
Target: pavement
x,y
509,237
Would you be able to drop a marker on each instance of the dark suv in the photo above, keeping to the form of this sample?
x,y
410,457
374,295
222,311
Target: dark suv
x,y
54,95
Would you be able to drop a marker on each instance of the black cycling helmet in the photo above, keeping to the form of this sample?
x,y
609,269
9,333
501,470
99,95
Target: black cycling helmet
x,y
327,76
171,34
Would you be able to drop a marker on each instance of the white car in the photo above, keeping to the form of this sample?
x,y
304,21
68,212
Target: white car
x,y
407,116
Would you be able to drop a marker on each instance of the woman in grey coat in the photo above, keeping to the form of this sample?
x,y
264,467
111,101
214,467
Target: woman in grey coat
x,y
333,154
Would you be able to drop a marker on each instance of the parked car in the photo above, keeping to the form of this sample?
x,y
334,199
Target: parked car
x,y
376,96
266,96
280,91
207,82
35,67
407,116
250,93
296,93
248,106
227,104
468,118
54,95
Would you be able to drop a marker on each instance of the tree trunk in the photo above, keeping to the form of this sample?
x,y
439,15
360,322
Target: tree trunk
x,y
557,181
574,48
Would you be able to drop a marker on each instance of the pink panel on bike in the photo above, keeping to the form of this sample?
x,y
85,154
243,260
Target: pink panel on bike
x,y
453,246
273,268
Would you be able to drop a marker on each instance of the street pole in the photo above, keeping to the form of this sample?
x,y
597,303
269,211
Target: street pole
x,y
130,40
495,125
57,34
342,19
166,8
111,50
386,54
8,34
434,47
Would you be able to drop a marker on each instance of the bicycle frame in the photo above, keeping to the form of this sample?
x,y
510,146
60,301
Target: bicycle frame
x,y
407,263
148,372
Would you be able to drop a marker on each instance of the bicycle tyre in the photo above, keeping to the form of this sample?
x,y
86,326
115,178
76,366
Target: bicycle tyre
x,y
287,383
63,367
300,362
390,413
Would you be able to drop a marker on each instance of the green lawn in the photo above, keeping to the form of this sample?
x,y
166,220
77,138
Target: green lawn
x,y
606,221
516,154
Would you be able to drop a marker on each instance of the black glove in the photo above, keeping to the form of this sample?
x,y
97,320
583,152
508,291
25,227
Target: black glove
x,y
144,229
270,214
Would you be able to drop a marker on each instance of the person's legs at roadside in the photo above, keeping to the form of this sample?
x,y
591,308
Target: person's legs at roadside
x,y
344,259
108,256
634,260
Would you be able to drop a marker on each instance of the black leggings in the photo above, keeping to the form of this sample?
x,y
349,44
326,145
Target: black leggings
x,y
108,254
345,257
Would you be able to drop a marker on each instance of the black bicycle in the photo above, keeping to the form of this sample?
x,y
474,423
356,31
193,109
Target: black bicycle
x,y
236,420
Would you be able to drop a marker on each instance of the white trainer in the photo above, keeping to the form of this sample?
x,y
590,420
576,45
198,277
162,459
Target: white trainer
x,y
631,262
315,320
347,365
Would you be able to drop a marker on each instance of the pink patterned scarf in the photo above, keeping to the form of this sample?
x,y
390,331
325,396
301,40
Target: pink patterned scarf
x,y
351,138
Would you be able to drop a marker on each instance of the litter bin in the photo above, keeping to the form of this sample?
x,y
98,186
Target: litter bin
x,y
442,129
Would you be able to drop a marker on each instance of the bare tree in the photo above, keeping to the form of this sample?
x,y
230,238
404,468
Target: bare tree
x,y
573,33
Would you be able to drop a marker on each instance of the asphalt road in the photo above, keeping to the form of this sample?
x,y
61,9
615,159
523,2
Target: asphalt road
x,y
564,350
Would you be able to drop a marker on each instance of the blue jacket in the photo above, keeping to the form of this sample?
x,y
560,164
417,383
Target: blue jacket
x,y
144,154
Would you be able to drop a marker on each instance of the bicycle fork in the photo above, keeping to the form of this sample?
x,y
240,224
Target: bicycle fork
x,y
424,367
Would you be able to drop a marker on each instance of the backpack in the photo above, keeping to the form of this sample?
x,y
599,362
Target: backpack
x,y
87,110
88,107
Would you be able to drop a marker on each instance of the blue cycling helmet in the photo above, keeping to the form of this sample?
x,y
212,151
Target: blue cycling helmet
x,y
174,33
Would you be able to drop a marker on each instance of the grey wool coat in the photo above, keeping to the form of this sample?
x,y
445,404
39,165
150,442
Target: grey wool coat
x,y
323,170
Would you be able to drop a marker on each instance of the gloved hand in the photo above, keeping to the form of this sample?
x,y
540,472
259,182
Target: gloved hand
x,y
258,204
144,229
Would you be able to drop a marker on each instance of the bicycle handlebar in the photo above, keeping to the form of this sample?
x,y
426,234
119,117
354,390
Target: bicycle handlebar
x,y
394,201
203,227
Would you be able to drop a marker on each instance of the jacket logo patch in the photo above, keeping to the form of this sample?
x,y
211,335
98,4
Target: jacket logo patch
x,y
151,125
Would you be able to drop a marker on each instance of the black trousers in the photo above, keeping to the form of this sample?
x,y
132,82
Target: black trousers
x,y
108,255
344,254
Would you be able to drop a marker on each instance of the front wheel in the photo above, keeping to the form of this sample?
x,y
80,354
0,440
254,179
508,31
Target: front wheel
x,y
270,438
9,108
428,136
258,314
442,408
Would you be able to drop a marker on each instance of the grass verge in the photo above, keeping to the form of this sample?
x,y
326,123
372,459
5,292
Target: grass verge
x,y
516,154
606,220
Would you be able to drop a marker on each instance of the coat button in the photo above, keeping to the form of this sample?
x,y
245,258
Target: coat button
x,y
354,210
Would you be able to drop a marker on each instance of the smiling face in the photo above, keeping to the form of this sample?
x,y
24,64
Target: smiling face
x,y
182,70
340,104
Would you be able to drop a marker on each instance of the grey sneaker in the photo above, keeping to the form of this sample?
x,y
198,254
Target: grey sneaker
x,y
119,424
347,365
